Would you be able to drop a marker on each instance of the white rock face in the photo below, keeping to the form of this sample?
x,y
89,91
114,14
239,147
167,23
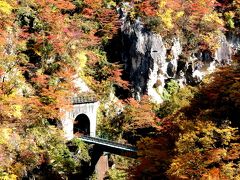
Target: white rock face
x,y
79,83
224,52
146,60
197,76
150,63
158,54
234,42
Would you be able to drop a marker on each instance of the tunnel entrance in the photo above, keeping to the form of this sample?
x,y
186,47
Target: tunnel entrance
x,y
81,125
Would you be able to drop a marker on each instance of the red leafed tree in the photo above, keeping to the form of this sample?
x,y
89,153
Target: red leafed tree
x,y
36,84
149,7
139,119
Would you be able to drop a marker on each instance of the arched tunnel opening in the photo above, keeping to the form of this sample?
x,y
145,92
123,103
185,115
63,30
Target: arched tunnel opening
x,y
81,125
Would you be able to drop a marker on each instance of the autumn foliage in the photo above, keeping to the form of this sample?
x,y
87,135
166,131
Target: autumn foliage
x,y
203,141
46,44
193,21
36,73
44,47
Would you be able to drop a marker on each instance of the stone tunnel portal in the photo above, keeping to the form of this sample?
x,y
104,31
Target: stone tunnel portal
x,y
81,125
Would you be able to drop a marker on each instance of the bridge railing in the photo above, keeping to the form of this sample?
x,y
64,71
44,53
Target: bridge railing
x,y
83,99
101,141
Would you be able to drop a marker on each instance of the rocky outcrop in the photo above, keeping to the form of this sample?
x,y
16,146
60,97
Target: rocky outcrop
x,y
234,42
150,63
144,58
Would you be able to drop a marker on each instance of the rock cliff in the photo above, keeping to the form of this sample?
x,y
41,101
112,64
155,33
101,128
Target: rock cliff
x,y
150,62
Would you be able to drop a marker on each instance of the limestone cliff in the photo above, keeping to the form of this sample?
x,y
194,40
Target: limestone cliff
x,y
150,63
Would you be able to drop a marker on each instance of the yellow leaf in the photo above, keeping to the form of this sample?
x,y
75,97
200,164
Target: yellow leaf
x,y
180,14
17,111
5,134
5,8
82,59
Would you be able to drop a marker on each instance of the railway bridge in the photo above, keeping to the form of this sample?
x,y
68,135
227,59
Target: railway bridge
x,y
81,122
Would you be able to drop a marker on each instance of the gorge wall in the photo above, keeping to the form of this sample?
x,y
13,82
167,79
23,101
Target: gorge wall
x,y
150,62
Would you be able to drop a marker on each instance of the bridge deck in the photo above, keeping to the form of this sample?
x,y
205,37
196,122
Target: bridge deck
x,y
107,143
